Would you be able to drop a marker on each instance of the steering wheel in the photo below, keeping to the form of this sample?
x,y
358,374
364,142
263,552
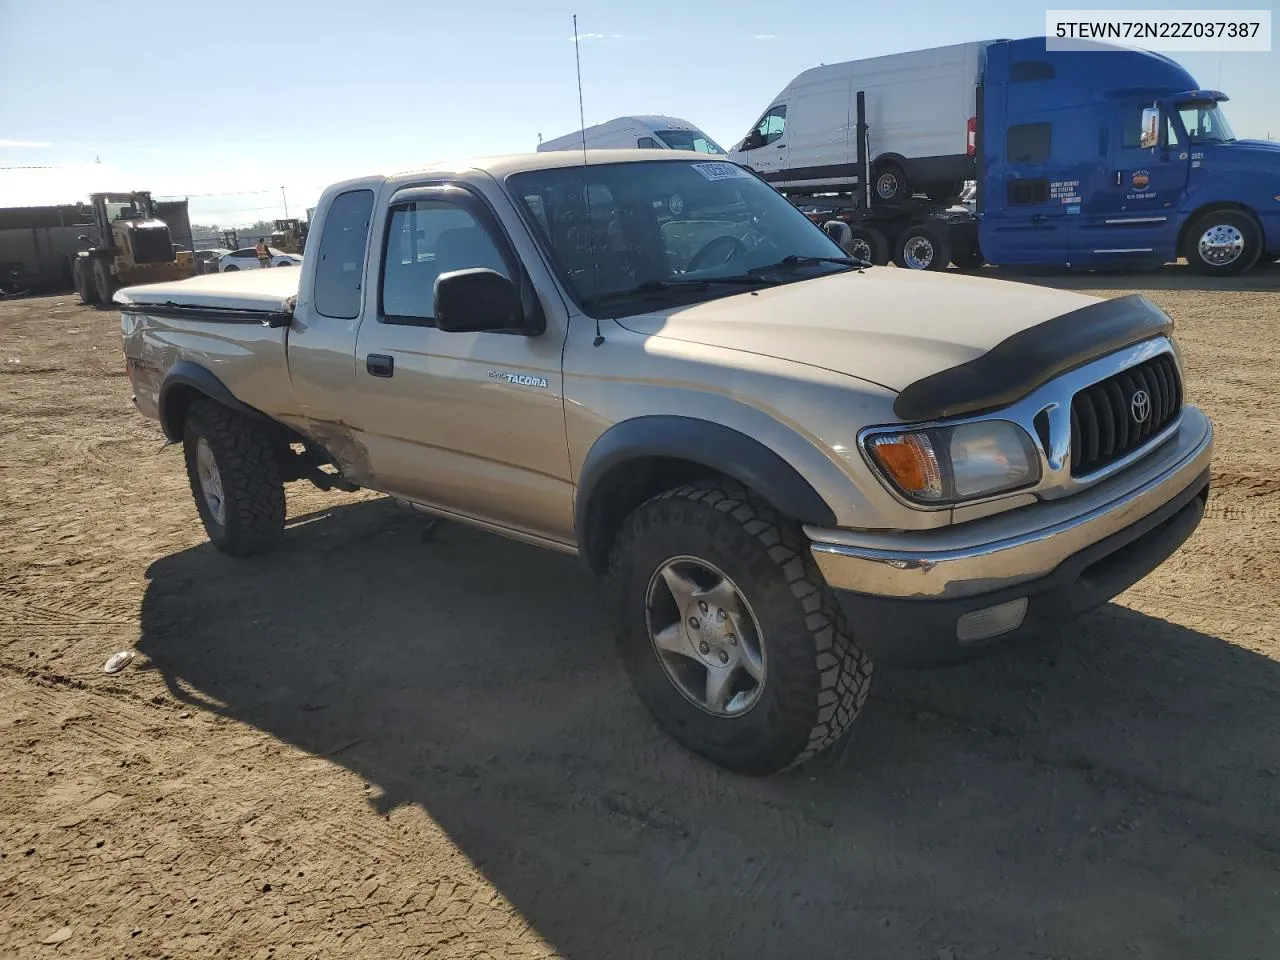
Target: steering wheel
x,y
720,250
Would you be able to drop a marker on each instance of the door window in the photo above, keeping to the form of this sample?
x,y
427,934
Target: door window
x,y
772,124
340,266
425,239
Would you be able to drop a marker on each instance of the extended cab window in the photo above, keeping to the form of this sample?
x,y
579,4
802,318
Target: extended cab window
x,y
1029,143
340,266
647,143
425,239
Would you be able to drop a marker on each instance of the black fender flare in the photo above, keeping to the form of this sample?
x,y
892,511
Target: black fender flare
x,y
701,442
185,377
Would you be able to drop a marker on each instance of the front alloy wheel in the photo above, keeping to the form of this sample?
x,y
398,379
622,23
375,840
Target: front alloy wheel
x,y
705,636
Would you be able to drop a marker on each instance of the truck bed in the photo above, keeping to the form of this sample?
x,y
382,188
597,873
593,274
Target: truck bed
x,y
269,291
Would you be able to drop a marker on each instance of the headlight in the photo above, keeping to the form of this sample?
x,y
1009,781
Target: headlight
x,y
950,464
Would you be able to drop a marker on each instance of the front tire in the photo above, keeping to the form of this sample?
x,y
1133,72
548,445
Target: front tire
x,y
84,286
235,479
1223,243
104,283
732,639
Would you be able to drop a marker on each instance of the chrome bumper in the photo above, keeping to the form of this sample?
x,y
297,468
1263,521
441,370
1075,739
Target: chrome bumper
x,y
1026,543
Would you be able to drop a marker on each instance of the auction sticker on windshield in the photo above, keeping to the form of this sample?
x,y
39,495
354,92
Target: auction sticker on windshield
x,y
720,171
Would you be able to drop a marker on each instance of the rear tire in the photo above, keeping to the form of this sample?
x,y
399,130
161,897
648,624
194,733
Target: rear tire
x,y
231,269
922,248
798,679
235,479
868,243
889,183
84,285
1223,243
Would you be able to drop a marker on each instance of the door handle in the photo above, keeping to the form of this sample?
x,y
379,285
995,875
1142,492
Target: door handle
x,y
779,146
380,365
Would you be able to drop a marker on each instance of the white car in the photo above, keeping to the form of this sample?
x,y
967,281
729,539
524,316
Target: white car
x,y
246,258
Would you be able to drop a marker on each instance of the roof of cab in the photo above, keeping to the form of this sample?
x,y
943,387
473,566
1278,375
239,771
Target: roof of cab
x,y
503,166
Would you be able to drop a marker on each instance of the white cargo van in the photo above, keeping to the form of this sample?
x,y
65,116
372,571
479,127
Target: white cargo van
x,y
652,131
921,117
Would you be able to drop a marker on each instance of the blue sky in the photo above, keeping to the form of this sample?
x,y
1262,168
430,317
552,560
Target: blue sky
x,y
239,99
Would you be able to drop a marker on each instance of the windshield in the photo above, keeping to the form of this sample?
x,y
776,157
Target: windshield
x,y
666,224
1205,122
689,140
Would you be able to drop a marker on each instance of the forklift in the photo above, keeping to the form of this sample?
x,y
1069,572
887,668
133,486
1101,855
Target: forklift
x,y
290,236
131,247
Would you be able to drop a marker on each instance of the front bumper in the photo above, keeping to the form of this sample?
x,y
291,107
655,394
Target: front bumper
x,y
908,594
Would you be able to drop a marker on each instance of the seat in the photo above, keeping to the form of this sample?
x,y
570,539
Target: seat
x,y
464,248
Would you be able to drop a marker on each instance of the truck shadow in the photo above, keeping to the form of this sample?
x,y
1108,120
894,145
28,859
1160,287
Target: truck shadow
x,y
1264,277
1116,773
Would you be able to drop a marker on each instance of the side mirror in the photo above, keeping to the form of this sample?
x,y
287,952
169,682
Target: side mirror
x,y
476,300
1150,128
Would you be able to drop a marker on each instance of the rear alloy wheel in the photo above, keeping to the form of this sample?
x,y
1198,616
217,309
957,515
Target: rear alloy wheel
x,y
922,248
730,636
1223,243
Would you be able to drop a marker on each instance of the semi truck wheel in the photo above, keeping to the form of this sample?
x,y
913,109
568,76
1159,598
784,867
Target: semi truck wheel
x,y
889,183
235,479
1223,243
104,284
729,634
84,285
869,244
922,248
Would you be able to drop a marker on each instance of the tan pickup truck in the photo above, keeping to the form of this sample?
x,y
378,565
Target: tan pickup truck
x,y
787,464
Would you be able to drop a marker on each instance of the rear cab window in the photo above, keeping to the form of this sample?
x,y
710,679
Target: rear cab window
x,y
340,258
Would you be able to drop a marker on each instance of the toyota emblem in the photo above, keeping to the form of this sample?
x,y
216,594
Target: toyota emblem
x,y
1140,406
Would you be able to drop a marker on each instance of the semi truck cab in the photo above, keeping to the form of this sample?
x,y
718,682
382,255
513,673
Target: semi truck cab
x,y
1116,157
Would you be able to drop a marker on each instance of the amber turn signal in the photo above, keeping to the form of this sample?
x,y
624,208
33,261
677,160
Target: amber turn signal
x,y
910,462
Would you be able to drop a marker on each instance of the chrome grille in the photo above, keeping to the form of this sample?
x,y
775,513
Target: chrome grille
x,y
1110,419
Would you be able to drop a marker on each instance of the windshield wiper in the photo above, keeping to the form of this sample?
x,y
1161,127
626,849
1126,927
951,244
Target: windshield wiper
x,y
793,260
748,279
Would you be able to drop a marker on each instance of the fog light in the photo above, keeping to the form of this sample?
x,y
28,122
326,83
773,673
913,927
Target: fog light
x,y
991,621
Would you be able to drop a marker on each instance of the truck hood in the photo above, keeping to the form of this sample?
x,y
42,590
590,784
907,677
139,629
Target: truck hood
x,y
1265,152
885,325
271,291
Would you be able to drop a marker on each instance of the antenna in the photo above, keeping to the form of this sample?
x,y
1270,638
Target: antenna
x,y
577,61
586,187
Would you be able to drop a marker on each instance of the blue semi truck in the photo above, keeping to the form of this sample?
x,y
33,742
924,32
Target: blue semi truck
x,y
1093,159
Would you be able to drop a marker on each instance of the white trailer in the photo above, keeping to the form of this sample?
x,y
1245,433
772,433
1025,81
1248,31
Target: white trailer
x,y
650,131
921,110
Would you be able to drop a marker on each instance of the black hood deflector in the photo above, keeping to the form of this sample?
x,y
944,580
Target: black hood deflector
x,y
1016,366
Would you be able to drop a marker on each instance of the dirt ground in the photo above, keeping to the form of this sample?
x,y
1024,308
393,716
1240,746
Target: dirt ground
x,y
374,745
